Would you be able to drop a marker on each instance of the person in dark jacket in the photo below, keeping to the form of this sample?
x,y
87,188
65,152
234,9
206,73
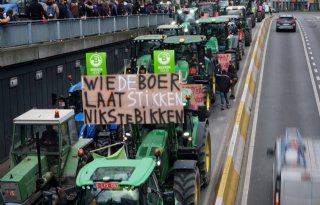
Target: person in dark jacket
x,y
223,86
232,72
62,10
36,11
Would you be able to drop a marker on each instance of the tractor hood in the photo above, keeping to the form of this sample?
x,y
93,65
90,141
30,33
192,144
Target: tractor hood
x,y
213,45
183,67
154,139
132,172
20,182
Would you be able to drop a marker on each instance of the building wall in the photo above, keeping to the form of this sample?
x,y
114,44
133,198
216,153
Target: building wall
x,y
31,93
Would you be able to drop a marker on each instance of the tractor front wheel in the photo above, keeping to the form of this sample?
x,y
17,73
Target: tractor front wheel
x,y
186,186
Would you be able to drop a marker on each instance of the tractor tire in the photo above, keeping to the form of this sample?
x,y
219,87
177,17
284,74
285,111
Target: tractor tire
x,y
186,186
242,48
204,158
246,38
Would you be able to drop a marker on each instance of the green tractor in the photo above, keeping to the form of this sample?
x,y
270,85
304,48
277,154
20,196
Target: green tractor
x,y
44,158
170,30
222,5
143,52
219,39
194,66
208,9
187,17
171,163
245,23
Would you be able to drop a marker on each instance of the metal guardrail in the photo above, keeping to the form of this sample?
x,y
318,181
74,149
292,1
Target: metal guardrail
x,y
32,32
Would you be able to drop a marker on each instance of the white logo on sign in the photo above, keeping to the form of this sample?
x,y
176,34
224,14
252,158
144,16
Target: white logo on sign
x,y
95,60
164,58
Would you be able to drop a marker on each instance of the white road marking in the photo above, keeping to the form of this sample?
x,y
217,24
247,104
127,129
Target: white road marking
x,y
307,40
316,95
316,70
313,63
318,78
253,133
319,86
310,52
309,48
308,44
312,58
317,17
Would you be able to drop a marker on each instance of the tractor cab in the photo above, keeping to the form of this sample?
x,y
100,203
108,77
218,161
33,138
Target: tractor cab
x,y
170,30
216,31
127,182
189,54
187,17
207,9
143,52
222,5
192,62
44,144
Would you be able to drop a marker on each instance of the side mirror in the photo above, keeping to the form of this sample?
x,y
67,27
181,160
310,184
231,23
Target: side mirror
x,y
54,99
270,152
168,198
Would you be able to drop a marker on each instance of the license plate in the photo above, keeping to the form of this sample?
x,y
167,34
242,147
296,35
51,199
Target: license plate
x,y
286,24
106,185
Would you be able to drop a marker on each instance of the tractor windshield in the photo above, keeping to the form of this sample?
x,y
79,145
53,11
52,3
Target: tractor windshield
x,y
238,12
188,53
223,3
49,135
110,197
210,30
146,47
171,32
186,15
207,9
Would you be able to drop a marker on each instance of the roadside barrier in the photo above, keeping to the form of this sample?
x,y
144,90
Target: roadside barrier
x,y
227,191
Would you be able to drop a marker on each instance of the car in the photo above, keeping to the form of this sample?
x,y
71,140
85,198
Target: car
x,y
295,169
286,22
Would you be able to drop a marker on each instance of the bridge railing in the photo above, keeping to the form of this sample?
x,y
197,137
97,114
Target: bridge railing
x,y
33,32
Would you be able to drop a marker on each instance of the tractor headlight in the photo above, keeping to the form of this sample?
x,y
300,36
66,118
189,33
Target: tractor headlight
x,y
173,23
186,30
186,135
179,11
191,11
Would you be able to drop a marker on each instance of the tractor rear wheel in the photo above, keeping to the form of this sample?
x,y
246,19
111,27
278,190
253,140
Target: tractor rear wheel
x,y
204,158
247,38
186,186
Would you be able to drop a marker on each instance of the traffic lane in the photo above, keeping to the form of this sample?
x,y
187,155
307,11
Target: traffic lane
x,y
220,125
311,28
287,100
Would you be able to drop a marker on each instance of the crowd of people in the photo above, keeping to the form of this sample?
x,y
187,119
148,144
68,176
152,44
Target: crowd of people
x,y
62,9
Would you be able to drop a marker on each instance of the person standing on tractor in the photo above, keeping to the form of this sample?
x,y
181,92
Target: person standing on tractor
x,y
232,73
223,86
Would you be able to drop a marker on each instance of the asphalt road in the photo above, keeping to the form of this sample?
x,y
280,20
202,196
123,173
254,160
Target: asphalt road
x,y
287,98
221,123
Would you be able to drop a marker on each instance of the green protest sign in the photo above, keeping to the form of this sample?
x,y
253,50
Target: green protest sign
x,y
163,61
96,63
